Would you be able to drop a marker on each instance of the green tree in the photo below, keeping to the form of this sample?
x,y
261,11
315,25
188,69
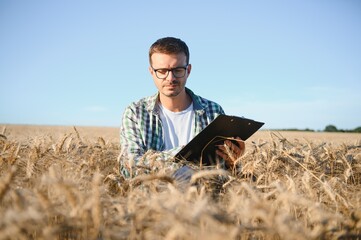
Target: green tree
x,y
358,130
330,128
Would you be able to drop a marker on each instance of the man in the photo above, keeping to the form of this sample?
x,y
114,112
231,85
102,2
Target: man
x,y
169,119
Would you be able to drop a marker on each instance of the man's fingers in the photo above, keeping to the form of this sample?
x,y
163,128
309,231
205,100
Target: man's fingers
x,y
222,154
230,151
233,147
226,157
242,146
236,148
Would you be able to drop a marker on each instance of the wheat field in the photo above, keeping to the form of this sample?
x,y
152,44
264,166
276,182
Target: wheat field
x,y
63,183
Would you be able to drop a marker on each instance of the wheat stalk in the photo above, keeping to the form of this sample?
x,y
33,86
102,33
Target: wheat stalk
x,y
5,183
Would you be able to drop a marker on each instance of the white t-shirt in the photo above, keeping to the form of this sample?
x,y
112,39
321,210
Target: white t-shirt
x,y
178,127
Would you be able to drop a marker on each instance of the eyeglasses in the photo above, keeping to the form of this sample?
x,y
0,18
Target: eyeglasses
x,y
178,72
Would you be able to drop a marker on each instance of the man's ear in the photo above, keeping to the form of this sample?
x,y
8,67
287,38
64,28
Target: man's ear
x,y
189,69
151,71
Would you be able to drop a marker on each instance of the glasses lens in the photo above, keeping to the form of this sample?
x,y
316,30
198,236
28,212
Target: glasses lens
x,y
179,72
161,73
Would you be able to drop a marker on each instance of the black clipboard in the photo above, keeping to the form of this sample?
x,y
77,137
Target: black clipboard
x,y
202,146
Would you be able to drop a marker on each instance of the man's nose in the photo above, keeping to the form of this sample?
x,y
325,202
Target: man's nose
x,y
170,76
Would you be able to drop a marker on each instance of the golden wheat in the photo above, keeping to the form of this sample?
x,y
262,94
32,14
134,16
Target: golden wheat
x,y
67,186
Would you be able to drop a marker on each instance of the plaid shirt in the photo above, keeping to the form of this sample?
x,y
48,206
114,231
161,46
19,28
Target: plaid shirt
x,y
142,130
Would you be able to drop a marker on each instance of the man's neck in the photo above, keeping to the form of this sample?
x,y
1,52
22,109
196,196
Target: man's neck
x,y
177,103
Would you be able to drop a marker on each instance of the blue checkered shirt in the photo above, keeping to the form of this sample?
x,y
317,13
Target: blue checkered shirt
x,y
141,133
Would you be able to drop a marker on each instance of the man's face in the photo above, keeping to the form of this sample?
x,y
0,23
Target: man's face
x,y
171,85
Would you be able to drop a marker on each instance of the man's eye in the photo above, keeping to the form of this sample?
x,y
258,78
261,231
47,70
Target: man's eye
x,y
162,71
178,70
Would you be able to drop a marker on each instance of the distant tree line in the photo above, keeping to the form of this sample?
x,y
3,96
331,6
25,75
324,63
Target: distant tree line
x,y
328,128
333,128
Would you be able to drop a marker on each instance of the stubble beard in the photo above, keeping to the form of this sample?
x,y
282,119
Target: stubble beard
x,y
178,87
173,94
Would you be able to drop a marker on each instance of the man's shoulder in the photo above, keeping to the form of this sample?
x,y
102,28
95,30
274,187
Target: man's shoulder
x,y
146,103
205,103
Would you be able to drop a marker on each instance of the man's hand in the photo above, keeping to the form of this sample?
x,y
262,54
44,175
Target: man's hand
x,y
231,150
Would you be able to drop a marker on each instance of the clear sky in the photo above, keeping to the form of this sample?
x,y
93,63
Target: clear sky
x,y
290,64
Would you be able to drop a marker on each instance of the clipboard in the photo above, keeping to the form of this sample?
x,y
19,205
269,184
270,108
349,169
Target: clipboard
x,y
202,147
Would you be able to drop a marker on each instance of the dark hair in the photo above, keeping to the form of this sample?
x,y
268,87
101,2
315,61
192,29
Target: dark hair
x,y
169,45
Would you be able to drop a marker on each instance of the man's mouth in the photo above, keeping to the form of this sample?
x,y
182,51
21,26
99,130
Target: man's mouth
x,y
171,85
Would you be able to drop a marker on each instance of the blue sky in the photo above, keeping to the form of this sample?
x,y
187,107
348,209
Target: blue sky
x,y
291,64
